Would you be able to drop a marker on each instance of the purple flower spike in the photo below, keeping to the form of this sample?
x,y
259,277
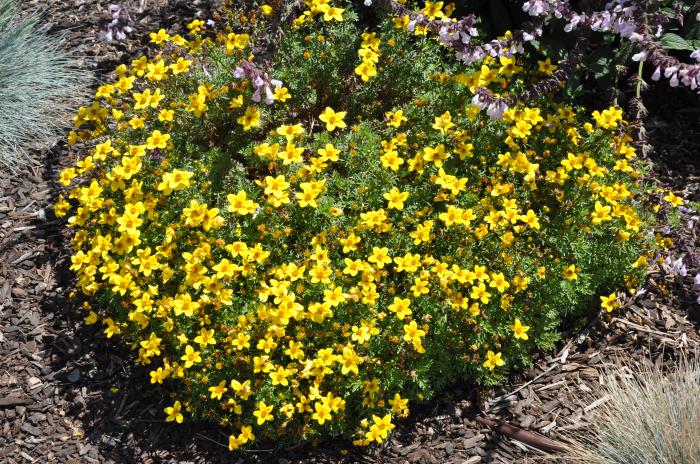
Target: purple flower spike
x,y
261,81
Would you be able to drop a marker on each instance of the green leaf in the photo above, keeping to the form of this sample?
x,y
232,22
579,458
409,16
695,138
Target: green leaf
x,y
671,41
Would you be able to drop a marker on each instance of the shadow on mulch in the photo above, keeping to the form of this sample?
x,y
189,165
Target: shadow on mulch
x,y
673,130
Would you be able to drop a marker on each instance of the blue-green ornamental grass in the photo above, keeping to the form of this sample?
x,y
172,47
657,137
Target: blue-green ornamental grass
x,y
40,84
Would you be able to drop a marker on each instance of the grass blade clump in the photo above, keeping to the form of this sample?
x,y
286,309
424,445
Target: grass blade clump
x,y
39,84
649,418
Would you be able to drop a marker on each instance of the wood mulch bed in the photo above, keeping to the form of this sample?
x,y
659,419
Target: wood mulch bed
x,y
69,396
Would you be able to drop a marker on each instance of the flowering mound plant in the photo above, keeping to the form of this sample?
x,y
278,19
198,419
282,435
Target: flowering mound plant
x,y
305,249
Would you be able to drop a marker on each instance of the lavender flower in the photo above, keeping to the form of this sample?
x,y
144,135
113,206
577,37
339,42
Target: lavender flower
x,y
120,25
261,81
675,266
696,286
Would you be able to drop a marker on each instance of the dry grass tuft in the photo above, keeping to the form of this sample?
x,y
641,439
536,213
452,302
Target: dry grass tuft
x,y
650,417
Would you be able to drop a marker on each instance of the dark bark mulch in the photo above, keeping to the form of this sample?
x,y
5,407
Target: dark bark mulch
x,y
68,395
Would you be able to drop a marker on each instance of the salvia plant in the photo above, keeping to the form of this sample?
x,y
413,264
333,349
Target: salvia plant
x,y
620,32
39,84
304,236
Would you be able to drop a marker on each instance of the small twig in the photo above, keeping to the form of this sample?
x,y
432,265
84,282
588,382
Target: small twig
x,y
529,438
642,328
552,385
211,440
121,406
596,403
503,397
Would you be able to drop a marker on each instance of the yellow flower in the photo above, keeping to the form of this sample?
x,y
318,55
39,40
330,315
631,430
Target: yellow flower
x,y
399,405
479,292
674,200
290,131
279,377
67,176
380,256
157,71
493,360
308,194
601,213
437,155
641,261
609,302
329,153
395,118
400,306
250,119
91,318
205,337
519,330
323,412
236,102
332,119
366,70
263,413
332,13
166,115
158,376
569,272
236,42
181,66
218,390
547,67
412,333
380,429
246,434
240,204
191,357
291,154
173,413
499,282
609,118
282,94
350,361
159,37
443,123
175,180
530,218
157,140
433,10
112,328
395,197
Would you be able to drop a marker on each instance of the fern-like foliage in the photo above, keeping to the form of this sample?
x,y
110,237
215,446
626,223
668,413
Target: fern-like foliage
x,y
39,84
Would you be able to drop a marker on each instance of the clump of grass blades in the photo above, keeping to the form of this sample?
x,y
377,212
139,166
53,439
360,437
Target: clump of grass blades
x,y
40,84
649,418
